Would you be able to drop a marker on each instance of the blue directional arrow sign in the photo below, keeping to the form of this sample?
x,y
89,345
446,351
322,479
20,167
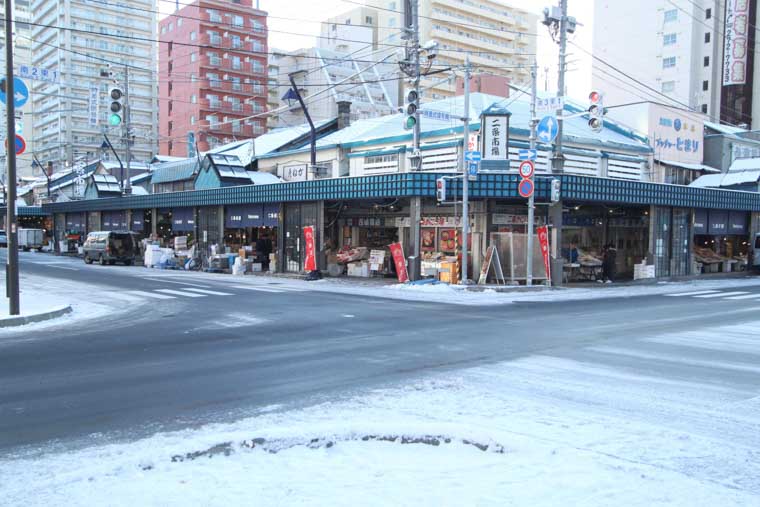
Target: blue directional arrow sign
x,y
472,156
527,154
20,92
547,129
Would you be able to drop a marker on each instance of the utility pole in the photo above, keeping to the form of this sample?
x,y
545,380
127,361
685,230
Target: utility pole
x,y
415,7
128,127
465,175
531,201
558,160
11,269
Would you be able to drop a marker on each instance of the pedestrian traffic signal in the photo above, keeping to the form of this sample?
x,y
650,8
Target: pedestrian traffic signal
x,y
116,116
440,189
411,109
596,111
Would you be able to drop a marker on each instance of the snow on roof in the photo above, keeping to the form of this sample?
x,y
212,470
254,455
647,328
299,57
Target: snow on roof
x,y
708,180
443,115
693,167
724,129
745,164
175,171
139,191
263,178
166,158
740,177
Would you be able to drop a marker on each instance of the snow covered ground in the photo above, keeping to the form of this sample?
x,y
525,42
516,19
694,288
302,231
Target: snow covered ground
x,y
632,425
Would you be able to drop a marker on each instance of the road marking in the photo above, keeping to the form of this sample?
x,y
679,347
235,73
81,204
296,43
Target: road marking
x,y
722,294
61,267
180,293
124,296
724,365
159,279
212,292
262,289
692,293
747,296
150,294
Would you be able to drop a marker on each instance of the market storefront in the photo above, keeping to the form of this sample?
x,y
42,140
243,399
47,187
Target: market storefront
x,y
721,241
141,222
250,230
73,233
114,220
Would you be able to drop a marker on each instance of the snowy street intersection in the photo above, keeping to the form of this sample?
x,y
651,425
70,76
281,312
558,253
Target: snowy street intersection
x,y
320,394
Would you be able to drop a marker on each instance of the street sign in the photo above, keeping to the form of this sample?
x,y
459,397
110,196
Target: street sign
x,y
472,156
20,145
38,74
20,92
526,169
527,154
472,171
472,142
550,104
547,129
525,188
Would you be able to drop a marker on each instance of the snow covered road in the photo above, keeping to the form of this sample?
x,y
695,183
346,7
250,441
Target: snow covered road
x,y
666,419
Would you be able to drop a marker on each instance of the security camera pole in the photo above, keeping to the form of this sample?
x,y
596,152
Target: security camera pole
x,y
11,269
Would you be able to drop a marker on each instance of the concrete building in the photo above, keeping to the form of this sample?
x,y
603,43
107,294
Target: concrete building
x,y
500,39
65,129
679,54
213,75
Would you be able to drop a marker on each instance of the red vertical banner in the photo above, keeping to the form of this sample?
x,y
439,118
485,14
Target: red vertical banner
x,y
310,262
397,251
543,240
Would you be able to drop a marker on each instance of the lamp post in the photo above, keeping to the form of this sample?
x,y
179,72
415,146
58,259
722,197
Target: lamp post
x,y
107,144
297,93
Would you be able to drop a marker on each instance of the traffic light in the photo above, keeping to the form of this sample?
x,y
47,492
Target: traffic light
x,y
412,105
556,187
596,111
440,189
116,116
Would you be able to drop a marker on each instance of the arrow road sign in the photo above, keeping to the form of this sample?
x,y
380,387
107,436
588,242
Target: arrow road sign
x,y
472,156
525,188
20,92
526,169
547,129
527,154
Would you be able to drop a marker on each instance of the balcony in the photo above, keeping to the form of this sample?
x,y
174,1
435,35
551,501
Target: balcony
x,y
211,40
220,106
227,86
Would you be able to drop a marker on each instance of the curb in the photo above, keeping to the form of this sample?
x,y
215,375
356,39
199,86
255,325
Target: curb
x,y
37,317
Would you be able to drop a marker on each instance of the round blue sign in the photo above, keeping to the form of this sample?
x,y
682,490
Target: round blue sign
x,y
525,188
677,124
20,92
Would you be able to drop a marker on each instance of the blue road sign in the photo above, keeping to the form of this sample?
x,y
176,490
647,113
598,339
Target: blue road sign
x,y
20,145
472,170
472,156
527,154
547,129
20,92
525,188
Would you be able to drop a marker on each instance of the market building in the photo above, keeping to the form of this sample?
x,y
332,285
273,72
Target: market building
x,y
362,196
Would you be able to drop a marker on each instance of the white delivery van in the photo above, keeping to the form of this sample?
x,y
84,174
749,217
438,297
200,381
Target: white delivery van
x,y
30,239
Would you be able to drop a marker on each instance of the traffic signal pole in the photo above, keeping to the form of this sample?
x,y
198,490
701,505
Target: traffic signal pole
x,y
531,201
465,173
415,7
11,268
128,128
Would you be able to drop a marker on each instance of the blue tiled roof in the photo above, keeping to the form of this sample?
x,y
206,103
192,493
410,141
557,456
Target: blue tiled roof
x,y
175,171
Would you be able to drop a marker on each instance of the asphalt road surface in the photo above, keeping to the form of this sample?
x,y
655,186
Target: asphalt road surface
x,y
210,348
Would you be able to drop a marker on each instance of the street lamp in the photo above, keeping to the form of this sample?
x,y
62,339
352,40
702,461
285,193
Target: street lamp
x,y
296,92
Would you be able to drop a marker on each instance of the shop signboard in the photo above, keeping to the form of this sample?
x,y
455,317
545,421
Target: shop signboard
x,y
294,172
736,42
182,220
310,262
512,219
737,223
244,215
441,221
397,252
700,221
271,212
496,137
675,135
718,223
376,260
543,240
486,265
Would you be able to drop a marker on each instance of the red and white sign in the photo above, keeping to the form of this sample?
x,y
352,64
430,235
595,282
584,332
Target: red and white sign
x,y
525,188
397,251
527,169
543,240
310,263
472,142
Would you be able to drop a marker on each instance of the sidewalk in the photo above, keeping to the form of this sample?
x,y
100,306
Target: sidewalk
x,y
36,306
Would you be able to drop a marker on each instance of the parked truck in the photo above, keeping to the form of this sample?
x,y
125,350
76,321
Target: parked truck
x,y
30,239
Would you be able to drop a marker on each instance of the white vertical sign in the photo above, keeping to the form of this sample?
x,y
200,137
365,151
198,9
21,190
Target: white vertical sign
x,y
495,138
92,112
736,42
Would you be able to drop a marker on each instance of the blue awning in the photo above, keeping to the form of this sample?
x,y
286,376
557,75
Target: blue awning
x,y
76,222
138,221
183,220
239,216
271,215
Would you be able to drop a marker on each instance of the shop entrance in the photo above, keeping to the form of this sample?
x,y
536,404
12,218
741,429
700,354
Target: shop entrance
x,y
721,241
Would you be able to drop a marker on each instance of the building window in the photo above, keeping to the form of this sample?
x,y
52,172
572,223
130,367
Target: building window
x,y
236,63
669,62
707,61
258,27
708,13
668,86
671,15
705,85
236,43
668,39
192,120
171,26
704,108
707,37
237,21
392,6
368,20
214,16
236,85
193,56
171,126
193,35
179,22
193,99
163,29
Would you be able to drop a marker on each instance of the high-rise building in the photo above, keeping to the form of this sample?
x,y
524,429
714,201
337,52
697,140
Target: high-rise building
x,y
78,40
676,50
345,66
213,75
499,39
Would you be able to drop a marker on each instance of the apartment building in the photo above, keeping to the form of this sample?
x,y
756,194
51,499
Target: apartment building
x,y
212,75
500,39
105,32
679,56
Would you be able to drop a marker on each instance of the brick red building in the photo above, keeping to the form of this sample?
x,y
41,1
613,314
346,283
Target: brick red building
x,y
212,75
